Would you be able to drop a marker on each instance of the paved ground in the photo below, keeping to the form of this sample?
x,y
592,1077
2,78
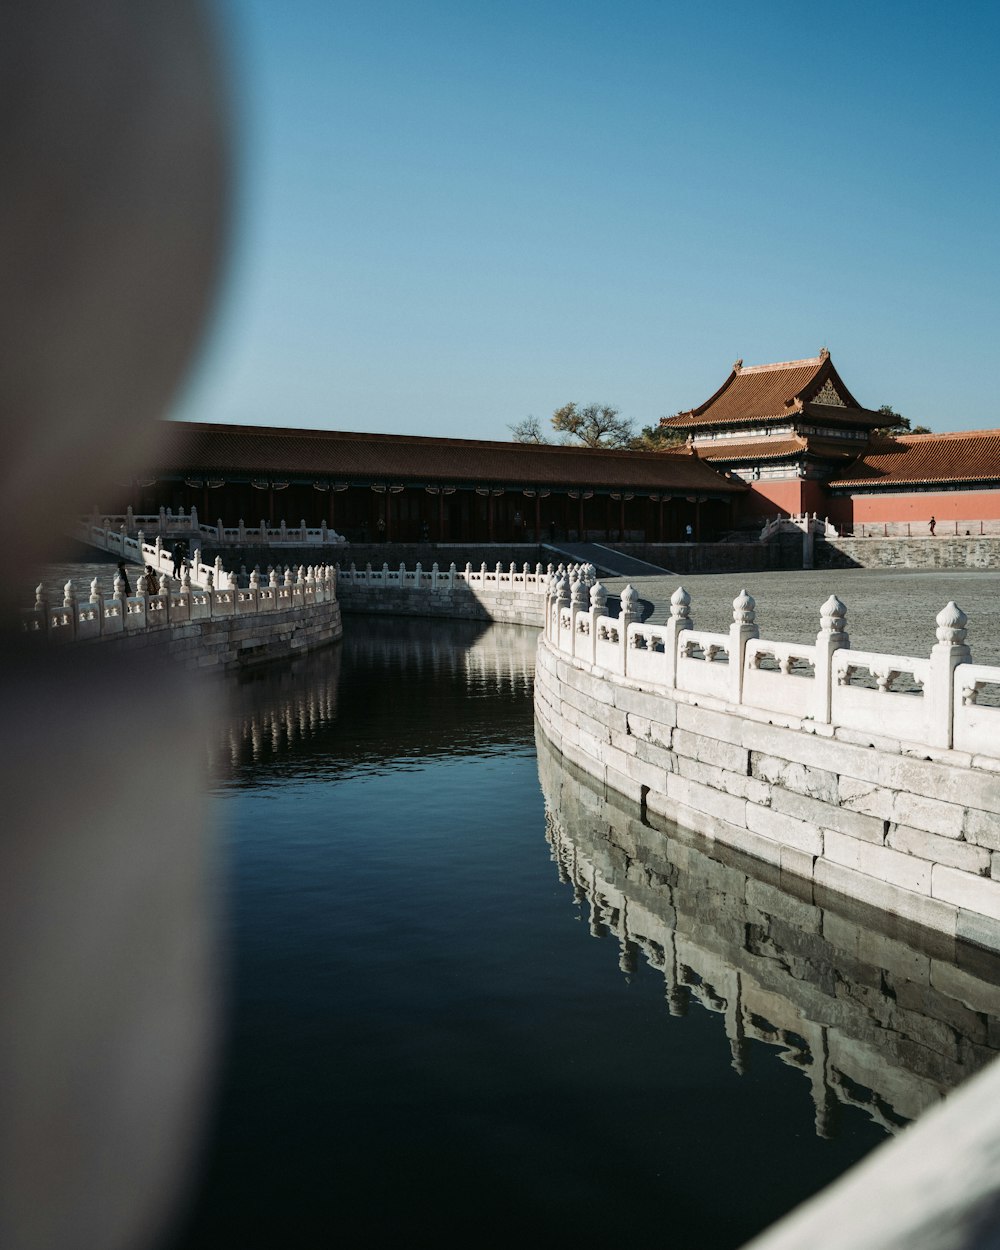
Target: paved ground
x,y
890,611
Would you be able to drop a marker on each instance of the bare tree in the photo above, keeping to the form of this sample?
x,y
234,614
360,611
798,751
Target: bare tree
x,y
594,425
527,431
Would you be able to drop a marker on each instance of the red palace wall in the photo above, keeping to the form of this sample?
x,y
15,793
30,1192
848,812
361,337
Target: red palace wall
x,y
919,506
789,496
769,497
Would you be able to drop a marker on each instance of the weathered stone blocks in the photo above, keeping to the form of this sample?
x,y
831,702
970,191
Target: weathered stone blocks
x,y
916,837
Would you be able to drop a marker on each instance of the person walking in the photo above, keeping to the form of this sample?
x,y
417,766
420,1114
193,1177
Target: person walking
x,y
931,526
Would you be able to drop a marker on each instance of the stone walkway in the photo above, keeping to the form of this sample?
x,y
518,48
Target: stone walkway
x,y
889,611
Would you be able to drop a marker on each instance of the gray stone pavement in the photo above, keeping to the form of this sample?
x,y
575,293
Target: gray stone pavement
x,y
887,610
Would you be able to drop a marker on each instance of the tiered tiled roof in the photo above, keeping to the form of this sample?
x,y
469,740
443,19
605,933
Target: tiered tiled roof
x,y
926,459
728,449
765,393
242,452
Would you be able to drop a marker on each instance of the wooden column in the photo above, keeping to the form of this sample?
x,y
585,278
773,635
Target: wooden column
x,y
579,524
489,517
441,517
538,518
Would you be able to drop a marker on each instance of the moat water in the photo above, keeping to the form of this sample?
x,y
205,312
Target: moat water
x,y
469,998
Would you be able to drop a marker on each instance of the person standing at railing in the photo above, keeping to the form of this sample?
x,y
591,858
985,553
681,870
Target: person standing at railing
x,y
177,556
123,574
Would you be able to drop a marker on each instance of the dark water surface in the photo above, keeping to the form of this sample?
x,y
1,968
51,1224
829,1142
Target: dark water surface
x,y
425,1041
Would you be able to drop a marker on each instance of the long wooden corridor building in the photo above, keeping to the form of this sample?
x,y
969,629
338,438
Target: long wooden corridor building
x,y
406,488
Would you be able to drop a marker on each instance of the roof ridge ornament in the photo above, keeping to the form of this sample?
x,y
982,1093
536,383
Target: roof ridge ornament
x,y
824,353
738,365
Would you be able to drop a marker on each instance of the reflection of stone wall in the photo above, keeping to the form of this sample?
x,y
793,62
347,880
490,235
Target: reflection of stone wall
x,y
287,707
870,1018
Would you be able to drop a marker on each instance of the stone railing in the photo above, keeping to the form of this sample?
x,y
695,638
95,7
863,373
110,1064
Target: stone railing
x,y
178,603
167,524
530,580
877,776
156,554
515,595
809,526
803,522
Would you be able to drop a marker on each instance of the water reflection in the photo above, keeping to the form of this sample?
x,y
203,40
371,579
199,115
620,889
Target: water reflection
x,y
874,1020
283,717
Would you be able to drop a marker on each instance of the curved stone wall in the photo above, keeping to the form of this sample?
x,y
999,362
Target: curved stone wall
x,y
865,786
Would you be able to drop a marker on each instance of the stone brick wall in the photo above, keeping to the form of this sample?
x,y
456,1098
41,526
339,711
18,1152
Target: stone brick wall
x,y
914,832
909,553
234,642
460,602
750,557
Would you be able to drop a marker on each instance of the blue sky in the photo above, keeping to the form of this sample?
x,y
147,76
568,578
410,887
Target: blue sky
x,y
451,215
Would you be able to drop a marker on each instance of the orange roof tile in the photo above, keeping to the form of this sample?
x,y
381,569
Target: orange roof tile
x,y
921,459
756,449
242,451
756,393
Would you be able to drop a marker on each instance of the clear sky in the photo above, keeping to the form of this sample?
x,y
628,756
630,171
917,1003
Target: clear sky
x,y
455,214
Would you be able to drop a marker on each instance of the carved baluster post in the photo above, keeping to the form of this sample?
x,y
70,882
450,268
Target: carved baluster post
x,y
678,621
743,628
629,613
562,601
97,604
434,575
946,655
832,636
42,606
598,608
578,606
452,575
218,572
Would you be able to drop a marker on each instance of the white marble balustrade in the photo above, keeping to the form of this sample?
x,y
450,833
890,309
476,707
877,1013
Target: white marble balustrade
x,y
178,602
941,700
